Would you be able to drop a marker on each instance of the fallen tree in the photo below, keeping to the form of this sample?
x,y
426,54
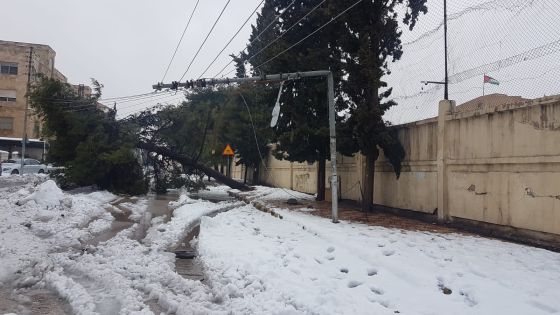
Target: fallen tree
x,y
185,160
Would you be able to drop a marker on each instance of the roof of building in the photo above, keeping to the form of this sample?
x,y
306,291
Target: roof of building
x,y
489,101
6,42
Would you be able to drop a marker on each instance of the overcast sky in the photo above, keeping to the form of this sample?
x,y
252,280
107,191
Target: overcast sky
x,y
126,45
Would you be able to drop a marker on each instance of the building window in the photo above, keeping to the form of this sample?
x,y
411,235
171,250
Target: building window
x,y
6,123
8,68
7,96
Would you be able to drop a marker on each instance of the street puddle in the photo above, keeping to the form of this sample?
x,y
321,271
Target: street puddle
x,y
33,302
157,206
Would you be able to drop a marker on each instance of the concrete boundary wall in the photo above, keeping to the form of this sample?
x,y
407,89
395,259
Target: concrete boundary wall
x,y
495,164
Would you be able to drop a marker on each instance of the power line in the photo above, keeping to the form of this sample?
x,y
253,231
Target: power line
x,y
287,30
129,112
151,100
205,39
180,40
230,40
257,141
125,97
257,37
311,34
157,94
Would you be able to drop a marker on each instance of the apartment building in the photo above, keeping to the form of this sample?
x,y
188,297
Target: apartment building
x,y
14,64
14,79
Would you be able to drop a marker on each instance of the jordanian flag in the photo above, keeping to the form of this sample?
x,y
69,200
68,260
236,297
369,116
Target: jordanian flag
x,y
490,80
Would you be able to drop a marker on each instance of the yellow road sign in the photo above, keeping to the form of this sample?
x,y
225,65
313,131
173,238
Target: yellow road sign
x,y
228,151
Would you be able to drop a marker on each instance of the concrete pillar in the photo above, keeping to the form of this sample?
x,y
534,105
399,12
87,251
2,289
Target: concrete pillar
x,y
445,108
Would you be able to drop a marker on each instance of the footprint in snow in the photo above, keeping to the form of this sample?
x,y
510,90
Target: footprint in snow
x,y
371,271
344,270
377,291
354,283
330,257
388,252
330,249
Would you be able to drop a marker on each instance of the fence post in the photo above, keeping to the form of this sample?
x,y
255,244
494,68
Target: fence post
x,y
445,108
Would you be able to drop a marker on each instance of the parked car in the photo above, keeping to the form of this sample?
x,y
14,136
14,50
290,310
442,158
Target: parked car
x,y
31,166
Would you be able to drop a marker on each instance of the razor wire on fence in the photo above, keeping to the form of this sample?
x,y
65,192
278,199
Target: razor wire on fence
x,y
515,42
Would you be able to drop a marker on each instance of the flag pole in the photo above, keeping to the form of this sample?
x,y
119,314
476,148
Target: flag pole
x,y
483,84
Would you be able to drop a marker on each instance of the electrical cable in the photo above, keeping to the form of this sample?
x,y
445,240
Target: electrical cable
x,y
257,37
311,34
287,30
180,40
125,97
230,40
168,96
257,141
205,39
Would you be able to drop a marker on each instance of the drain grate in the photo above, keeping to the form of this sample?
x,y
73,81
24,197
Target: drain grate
x,y
185,254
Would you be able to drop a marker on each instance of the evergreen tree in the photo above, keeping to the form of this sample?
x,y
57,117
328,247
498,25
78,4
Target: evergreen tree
x,y
246,123
86,140
370,40
302,133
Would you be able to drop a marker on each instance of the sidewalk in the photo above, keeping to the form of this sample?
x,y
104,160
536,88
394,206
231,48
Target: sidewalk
x,y
375,264
268,199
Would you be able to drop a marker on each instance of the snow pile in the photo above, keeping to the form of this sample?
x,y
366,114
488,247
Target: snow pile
x,y
304,264
219,192
46,195
183,200
184,218
264,193
38,219
123,274
137,209
255,263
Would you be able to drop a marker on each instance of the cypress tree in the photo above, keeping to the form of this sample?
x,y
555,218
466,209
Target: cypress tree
x,y
371,40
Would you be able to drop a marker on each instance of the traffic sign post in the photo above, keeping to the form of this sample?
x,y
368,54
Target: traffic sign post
x,y
228,153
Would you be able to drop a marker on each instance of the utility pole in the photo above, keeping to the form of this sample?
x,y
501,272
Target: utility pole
x,y
446,92
24,136
281,77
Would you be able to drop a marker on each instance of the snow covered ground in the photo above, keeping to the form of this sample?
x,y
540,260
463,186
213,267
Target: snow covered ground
x,y
255,263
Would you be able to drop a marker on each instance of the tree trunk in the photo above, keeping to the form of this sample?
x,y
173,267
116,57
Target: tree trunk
x,y
256,175
321,174
367,199
245,176
188,161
